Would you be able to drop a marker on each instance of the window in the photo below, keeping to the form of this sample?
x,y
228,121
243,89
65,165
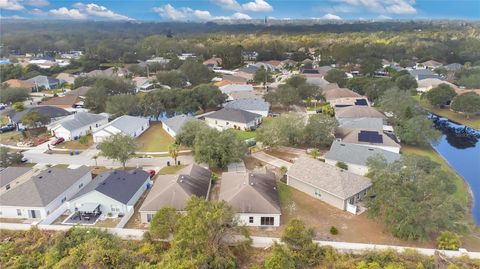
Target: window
x,y
114,208
19,212
227,123
318,193
64,199
80,186
7,187
269,221
250,219
149,217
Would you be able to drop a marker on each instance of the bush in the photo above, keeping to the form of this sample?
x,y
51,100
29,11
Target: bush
x,y
342,165
333,230
448,240
18,106
83,140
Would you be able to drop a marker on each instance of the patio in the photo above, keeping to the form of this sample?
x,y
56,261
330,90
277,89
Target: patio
x,y
87,214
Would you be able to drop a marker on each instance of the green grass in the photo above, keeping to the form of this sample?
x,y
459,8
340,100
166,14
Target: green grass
x,y
11,137
462,190
284,194
244,135
155,139
75,144
473,121
171,169
60,166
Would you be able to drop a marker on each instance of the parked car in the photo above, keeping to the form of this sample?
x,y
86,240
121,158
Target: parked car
x,y
7,128
151,172
59,141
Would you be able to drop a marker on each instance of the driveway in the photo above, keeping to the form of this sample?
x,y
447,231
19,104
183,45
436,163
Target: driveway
x,y
272,160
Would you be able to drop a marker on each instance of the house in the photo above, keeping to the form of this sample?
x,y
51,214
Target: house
x,y
317,81
453,67
227,118
175,190
253,105
114,192
44,82
249,56
158,60
116,71
358,112
51,112
330,184
68,78
253,196
174,125
246,94
362,123
430,64
340,97
420,74
73,126
229,88
66,102
80,91
213,63
37,193
369,138
287,64
128,125
9,175
94,73
185,56
356,156
17,83
424,85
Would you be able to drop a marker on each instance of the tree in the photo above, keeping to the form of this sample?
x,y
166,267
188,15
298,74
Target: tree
x,y
285,95
413,201
218,149
208,97
369,65
173,78
18,106
440,95
281,258
299,240
406,82
196,72
119,147
122,104
336,76
95,158
33,119
12,95
448,241
163,222
285,130
400,104
376,87
96,99
173,151
189,131
320,130
262,76
418,131
327,109
468,103
296,81
9,158
358,84
342,165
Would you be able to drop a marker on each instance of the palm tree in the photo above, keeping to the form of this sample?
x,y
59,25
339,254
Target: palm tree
x,y
95,157
173,151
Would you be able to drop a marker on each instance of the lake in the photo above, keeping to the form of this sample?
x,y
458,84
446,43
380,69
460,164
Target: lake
x,y
460,146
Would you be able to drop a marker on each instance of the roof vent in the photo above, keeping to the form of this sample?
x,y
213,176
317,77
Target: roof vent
x,y
370,149
251,183
40,177
342,145
49,171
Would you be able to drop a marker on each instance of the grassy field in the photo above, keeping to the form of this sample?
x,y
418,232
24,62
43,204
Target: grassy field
x,y
171,169
11,138
75,144
244,135
473,121
155,139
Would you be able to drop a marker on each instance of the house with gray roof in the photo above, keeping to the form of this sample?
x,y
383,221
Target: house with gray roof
x,y
80,91
174,125
357,112
175,190
73,126
253,105
229,88
253,196
361,123
51,112
9,175
227,118
420,74
37,193
453,67
330,184
356,156
128,125
44,82
114,192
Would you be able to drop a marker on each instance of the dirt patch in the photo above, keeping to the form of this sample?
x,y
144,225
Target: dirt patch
x,y
281,154
252,163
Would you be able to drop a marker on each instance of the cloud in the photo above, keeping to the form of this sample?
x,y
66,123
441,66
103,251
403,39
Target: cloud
x,y
37,3
97,11
383,17
379,6
66,13
187,14
11,5
330,16
227,4
37,11
257,6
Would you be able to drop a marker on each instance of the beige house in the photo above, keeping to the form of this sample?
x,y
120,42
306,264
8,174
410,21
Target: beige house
x,y
368,138
227,118
330,184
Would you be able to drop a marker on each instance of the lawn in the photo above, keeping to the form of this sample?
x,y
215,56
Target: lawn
x,y
76,145
244,135
155,139
11,138
473,121
171,169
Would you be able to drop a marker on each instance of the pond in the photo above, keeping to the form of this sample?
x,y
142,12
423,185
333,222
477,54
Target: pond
x,y
460,146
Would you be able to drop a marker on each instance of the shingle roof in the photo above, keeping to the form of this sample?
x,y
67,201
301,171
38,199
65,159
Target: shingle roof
x,y
67,100
356,154
423,74
317,81
43,80
176,123
80,91
234,115
453,66
119,185
351,136
328,178
126,124
358,112
248,104
175,190
361,123
335,93
42,189
17,83
78,120
47,111
9,174
236,88
250,192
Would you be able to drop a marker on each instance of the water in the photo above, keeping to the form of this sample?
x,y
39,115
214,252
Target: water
x,y
460,146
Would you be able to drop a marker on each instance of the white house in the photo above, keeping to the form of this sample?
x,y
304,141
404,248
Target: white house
x,y
233,118
253,105
253,196
175,124
114,192
369,138
35,194
128,125
73,126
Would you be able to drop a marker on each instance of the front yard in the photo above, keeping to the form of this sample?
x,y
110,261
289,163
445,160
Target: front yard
x,y
76,144
155,139
171,169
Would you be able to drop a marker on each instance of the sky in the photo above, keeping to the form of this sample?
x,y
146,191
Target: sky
x,y
211,10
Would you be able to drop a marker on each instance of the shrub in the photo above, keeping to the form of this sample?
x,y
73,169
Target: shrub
x,y
448,240
342,165
83,140
333,230
18,106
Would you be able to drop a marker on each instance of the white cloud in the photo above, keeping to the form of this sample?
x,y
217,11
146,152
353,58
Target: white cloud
x,y
66,13
227,4
97,11
187,14
11,5
37,3
240,16
383,17
37,11
257,5
381,6
330,16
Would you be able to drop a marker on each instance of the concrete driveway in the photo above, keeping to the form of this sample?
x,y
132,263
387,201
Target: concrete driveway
x,y
272,160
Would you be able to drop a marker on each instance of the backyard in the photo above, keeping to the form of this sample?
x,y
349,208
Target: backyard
x,y
244,135
155,139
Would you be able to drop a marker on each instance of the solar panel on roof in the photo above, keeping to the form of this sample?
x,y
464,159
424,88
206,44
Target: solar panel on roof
x,y
310,71
361,102
370,136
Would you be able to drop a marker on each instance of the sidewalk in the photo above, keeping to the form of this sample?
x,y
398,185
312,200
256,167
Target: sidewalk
x,y
272,160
